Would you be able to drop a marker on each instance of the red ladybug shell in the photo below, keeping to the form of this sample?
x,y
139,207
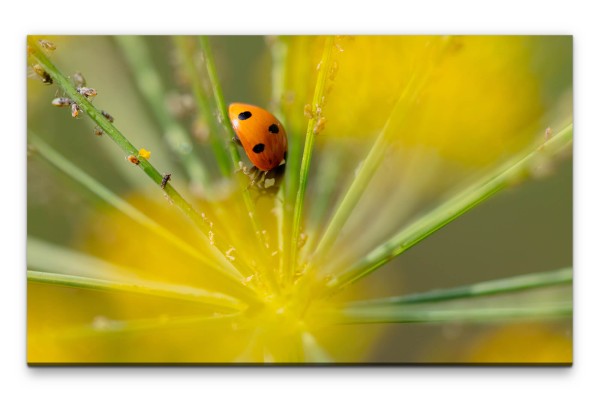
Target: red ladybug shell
x,y
262,135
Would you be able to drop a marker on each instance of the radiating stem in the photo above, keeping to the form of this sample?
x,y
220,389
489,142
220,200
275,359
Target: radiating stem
x,y
317,103
196,295
235,157
486,288
148,81
451,209
403,315
51,258
368,168
104,327
56,159
113,133
188,53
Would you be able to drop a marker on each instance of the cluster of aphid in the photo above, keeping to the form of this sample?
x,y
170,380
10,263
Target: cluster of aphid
x,y
89,93
261,135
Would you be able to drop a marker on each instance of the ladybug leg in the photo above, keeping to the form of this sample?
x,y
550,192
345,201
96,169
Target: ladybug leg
x,y
251,174
242,168
236,139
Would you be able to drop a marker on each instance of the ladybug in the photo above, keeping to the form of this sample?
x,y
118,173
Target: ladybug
x,y
260,134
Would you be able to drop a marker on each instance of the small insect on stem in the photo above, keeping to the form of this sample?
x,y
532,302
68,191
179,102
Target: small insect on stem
x,y
132,159
62,102
46,44
108,116
98,131
39,70
79,80
165,180
320,125
87,92
308,111
75,110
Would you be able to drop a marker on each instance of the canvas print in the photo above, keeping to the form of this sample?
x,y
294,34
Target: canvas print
x,y
308,200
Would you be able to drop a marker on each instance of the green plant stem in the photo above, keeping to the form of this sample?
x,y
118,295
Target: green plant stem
x,y
51,258
183,293
233,151
57,160
148,81
371,164
219,99
486,288
329,173
187,53
113,133
279,49
404,315
147,325
453,208
322,78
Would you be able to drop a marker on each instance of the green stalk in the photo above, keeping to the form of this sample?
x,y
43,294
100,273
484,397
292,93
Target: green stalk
x,y
187,53
51,258
451,209
147,325
113,133
322,78
233,151
223,118
329,173
405,315
486,288
279,50
370,165
70,169
220,100
149,83
183,293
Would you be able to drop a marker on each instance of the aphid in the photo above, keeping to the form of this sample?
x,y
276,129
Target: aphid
x,y
78,80
87,92
98,131
308,111
260,134
46,44
333,70
75,110
108,116
165,179
133,159
61,102
39,70
320,125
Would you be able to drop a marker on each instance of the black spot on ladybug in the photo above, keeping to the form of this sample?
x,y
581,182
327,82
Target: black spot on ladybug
x,y
244,115
258,148
273,129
